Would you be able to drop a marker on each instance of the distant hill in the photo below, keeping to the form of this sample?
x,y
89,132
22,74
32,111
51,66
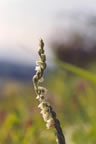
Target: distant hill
x,y
16,71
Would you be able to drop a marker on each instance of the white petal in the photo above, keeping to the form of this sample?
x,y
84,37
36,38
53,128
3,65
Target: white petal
x,y
38,68
44,111
46,116
43,90
50,123
39,63
37,97
42,105
42,98
41,80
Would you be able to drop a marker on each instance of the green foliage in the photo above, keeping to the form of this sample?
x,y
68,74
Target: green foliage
x,y
20,120
78,71
75,89
72,92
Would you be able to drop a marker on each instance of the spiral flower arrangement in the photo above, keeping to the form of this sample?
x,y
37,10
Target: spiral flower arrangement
x,y
47,112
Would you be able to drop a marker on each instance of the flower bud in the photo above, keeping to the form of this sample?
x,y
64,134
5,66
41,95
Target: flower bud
x,y
39,62
41,43
43,57
35,79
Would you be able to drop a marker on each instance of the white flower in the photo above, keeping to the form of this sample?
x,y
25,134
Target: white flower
x,y
38,68
42,98
46,116
39,48
42,105
41,79
50,123
39,62
37,97
44,111
42,90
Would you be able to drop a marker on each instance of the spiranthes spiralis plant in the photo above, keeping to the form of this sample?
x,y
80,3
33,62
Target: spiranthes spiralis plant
x,y
47,111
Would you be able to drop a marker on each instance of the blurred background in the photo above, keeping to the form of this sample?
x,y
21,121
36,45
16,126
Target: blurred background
x,y
68,29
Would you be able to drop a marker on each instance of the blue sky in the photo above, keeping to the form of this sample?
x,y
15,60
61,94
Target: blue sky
x,y
24,22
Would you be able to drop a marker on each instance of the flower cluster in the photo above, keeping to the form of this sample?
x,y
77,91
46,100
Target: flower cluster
x,y
41,91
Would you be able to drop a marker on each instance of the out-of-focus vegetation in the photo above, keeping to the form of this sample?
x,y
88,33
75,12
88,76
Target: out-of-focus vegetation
x,y
71,91
76,97
73,98
20,120
75,84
